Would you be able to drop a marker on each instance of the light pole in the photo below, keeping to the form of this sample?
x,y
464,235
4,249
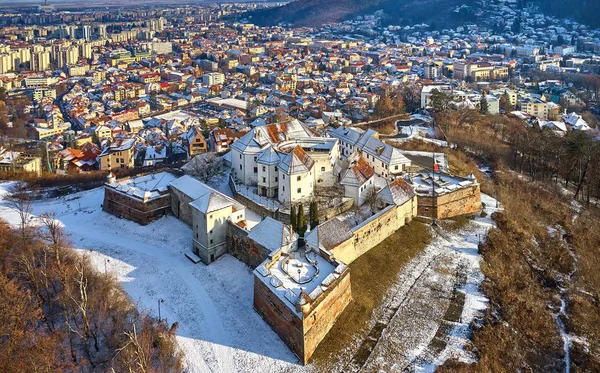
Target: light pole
x,y
160,300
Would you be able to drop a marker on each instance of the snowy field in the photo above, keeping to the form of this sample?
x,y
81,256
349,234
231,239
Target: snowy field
x,y
219,331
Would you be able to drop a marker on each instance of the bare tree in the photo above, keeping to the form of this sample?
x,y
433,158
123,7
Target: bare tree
x,y
204,166
371,199
55,233
20,201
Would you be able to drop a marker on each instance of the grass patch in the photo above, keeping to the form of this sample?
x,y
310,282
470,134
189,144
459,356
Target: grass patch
x,y
371,276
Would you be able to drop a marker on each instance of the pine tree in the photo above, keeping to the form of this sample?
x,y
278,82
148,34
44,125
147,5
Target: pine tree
x,y
293,218
301,222
314,214
484,107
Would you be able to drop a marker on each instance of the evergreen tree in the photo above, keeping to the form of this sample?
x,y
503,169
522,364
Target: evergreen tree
x,y
505,103
484,107
293,218
314,214
301,221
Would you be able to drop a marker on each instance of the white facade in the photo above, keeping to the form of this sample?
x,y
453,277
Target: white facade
x,y
386,160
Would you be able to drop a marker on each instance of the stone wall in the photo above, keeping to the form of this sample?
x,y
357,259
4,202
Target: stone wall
x,y
286,324
303,334
243,248
324,313
375,230
124,206
463,201
180,206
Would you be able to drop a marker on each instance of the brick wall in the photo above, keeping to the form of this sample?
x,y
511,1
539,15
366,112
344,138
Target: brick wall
x,y
121,205
327,310
244,249
460,202
286,324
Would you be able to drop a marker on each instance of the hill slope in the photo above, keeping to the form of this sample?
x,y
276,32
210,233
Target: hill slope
x,y
438,13
319,12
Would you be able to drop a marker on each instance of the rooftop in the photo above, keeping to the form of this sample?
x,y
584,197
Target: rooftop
x,y
147,187
298,277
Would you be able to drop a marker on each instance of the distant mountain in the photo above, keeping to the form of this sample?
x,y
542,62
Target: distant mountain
x,y
438,13
319,12
584,11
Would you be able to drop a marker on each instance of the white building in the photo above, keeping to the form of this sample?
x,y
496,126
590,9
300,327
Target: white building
x,y
211,212
285,160
387,161
213,79
358,180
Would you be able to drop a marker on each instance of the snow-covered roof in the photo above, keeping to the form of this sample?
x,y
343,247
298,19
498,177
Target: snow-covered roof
x,y
397,192
296,162
211,201
271,234
146,187
329,234
358,174
298,277
268,156
427,183
204,198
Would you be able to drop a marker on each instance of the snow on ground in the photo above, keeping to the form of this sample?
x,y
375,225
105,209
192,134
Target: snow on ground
x,y
412,339
219,331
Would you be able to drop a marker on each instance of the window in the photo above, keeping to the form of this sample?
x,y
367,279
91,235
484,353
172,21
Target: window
x,y
275,178
299,190
255,169
264,168
283,188
283,177
240,167
210,231
275,168
240,156
395,167
254,159
264,179
322,168
211,241
298,178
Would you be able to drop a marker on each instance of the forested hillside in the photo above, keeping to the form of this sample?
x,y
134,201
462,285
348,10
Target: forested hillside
x,y
58,314
316,13
438,13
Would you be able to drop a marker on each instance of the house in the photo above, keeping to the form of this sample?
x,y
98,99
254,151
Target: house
x,y
11,161
358,180
195,142
119,154
387,161
221,139
576,122
284,160
208,212
75,160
